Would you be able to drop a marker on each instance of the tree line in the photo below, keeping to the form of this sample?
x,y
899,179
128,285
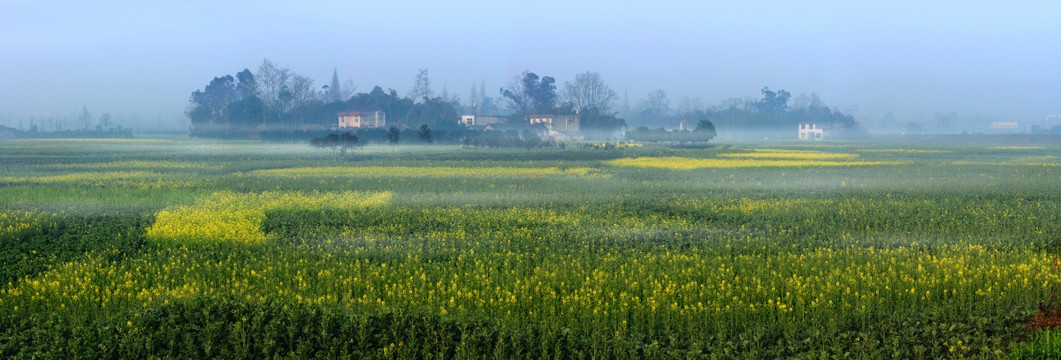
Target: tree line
x,y
772,114
276,103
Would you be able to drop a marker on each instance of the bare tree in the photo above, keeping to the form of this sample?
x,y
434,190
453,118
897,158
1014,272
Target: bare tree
x,y
516,97
473,101
482,95
272,83
302,90
690,105
733,104
804,101
85,117
454,100
302,93
105,121
421,86
349,88
655,106
657,102
589,92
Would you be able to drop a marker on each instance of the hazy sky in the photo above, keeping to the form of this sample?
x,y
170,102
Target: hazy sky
x,y
913,58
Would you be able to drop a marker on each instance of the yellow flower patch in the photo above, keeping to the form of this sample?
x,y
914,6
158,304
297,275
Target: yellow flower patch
x,y
682,163
426,172
236,217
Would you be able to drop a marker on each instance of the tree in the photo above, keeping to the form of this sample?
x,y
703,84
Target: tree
x,y
689,106
244,116
200,118
85,117
104,121
425,134
474,102
517,99
247,86
349,89
657,102
334,92
302,94
342,142
215,97
603,124
707,129
347,141
484,101
589,92
421,87
272,84
774,102
655,107
394,135
913,128
453,101
530,94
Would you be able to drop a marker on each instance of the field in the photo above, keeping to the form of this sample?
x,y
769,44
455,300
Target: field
x,y
198,249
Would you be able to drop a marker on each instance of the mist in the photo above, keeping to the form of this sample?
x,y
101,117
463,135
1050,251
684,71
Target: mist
x,y
887,64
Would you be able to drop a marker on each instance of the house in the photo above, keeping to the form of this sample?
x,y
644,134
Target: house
x,y
1004,125
472,120
568,123
362,119
810,131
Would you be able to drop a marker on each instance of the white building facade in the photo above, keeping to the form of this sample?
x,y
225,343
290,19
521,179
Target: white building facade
x,y
810,131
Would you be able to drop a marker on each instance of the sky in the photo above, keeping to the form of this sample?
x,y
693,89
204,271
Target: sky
x,y
140,60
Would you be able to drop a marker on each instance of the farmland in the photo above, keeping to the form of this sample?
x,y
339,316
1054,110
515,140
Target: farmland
x,y
191,248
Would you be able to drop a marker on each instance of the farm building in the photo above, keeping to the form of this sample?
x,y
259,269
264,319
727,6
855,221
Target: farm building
x,y
472,120
362,119
556,122
810,131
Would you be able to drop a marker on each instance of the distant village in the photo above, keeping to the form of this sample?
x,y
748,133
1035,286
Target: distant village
x,y
277,104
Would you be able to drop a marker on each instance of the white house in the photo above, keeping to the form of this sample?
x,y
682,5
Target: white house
x,y
556,122
362,119
810,131
472,120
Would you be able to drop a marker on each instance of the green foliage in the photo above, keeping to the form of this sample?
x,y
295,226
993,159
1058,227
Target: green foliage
x,y
1042,345
531,94
226,108
343,142
593,120
424,134
52,239
707,128
393,135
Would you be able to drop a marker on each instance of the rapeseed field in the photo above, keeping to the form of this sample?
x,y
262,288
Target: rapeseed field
x,y
198,249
